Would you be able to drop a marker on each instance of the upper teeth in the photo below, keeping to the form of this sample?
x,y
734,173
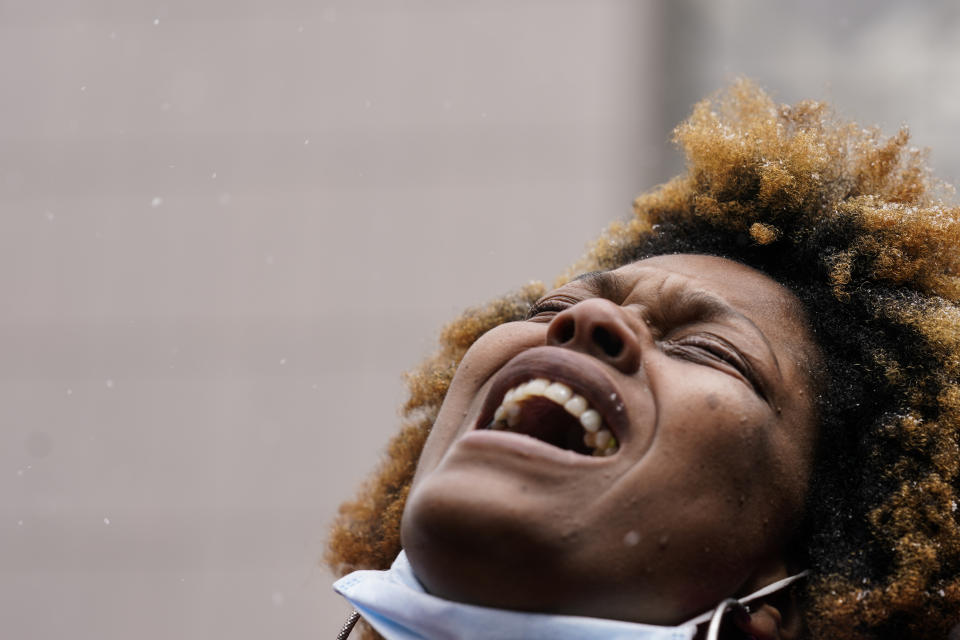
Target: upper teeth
x,y
597,437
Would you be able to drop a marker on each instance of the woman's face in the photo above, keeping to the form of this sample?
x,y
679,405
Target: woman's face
x,y
698,367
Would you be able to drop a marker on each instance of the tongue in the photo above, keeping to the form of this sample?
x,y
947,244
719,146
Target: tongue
x,y
545,420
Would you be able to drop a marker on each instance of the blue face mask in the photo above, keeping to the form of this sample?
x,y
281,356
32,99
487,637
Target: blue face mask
x,y
397,606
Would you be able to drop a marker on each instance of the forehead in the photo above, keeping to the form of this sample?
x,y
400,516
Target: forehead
x,y
737,283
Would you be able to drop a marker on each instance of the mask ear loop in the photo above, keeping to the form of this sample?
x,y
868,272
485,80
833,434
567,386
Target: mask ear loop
x,y
348,625
713,631
742,606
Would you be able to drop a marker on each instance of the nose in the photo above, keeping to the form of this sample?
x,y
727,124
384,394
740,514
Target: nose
x,y
599,328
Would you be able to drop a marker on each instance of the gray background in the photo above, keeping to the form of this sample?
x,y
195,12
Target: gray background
x,y
227,227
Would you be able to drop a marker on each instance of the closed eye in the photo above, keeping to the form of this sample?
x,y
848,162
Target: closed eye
x,y
547,308
710,349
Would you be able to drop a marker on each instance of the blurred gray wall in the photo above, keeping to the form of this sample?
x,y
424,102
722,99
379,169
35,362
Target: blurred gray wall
x,y
226,228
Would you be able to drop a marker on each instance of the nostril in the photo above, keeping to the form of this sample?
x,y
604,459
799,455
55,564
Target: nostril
x,y
611,344
565,330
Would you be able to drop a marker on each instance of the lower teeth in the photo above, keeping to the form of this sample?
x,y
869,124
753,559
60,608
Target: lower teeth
x,y
602,442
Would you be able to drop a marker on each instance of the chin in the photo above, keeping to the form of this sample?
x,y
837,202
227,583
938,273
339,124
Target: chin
x,y
447,515
468,547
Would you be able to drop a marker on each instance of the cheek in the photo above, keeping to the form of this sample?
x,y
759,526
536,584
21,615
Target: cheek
x,y
721,434
468,388
491,351
701,494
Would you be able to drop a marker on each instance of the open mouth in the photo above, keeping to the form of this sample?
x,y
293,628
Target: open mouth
x,y
554,413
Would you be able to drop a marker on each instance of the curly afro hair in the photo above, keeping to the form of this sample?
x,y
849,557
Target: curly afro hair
x,y
854,224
